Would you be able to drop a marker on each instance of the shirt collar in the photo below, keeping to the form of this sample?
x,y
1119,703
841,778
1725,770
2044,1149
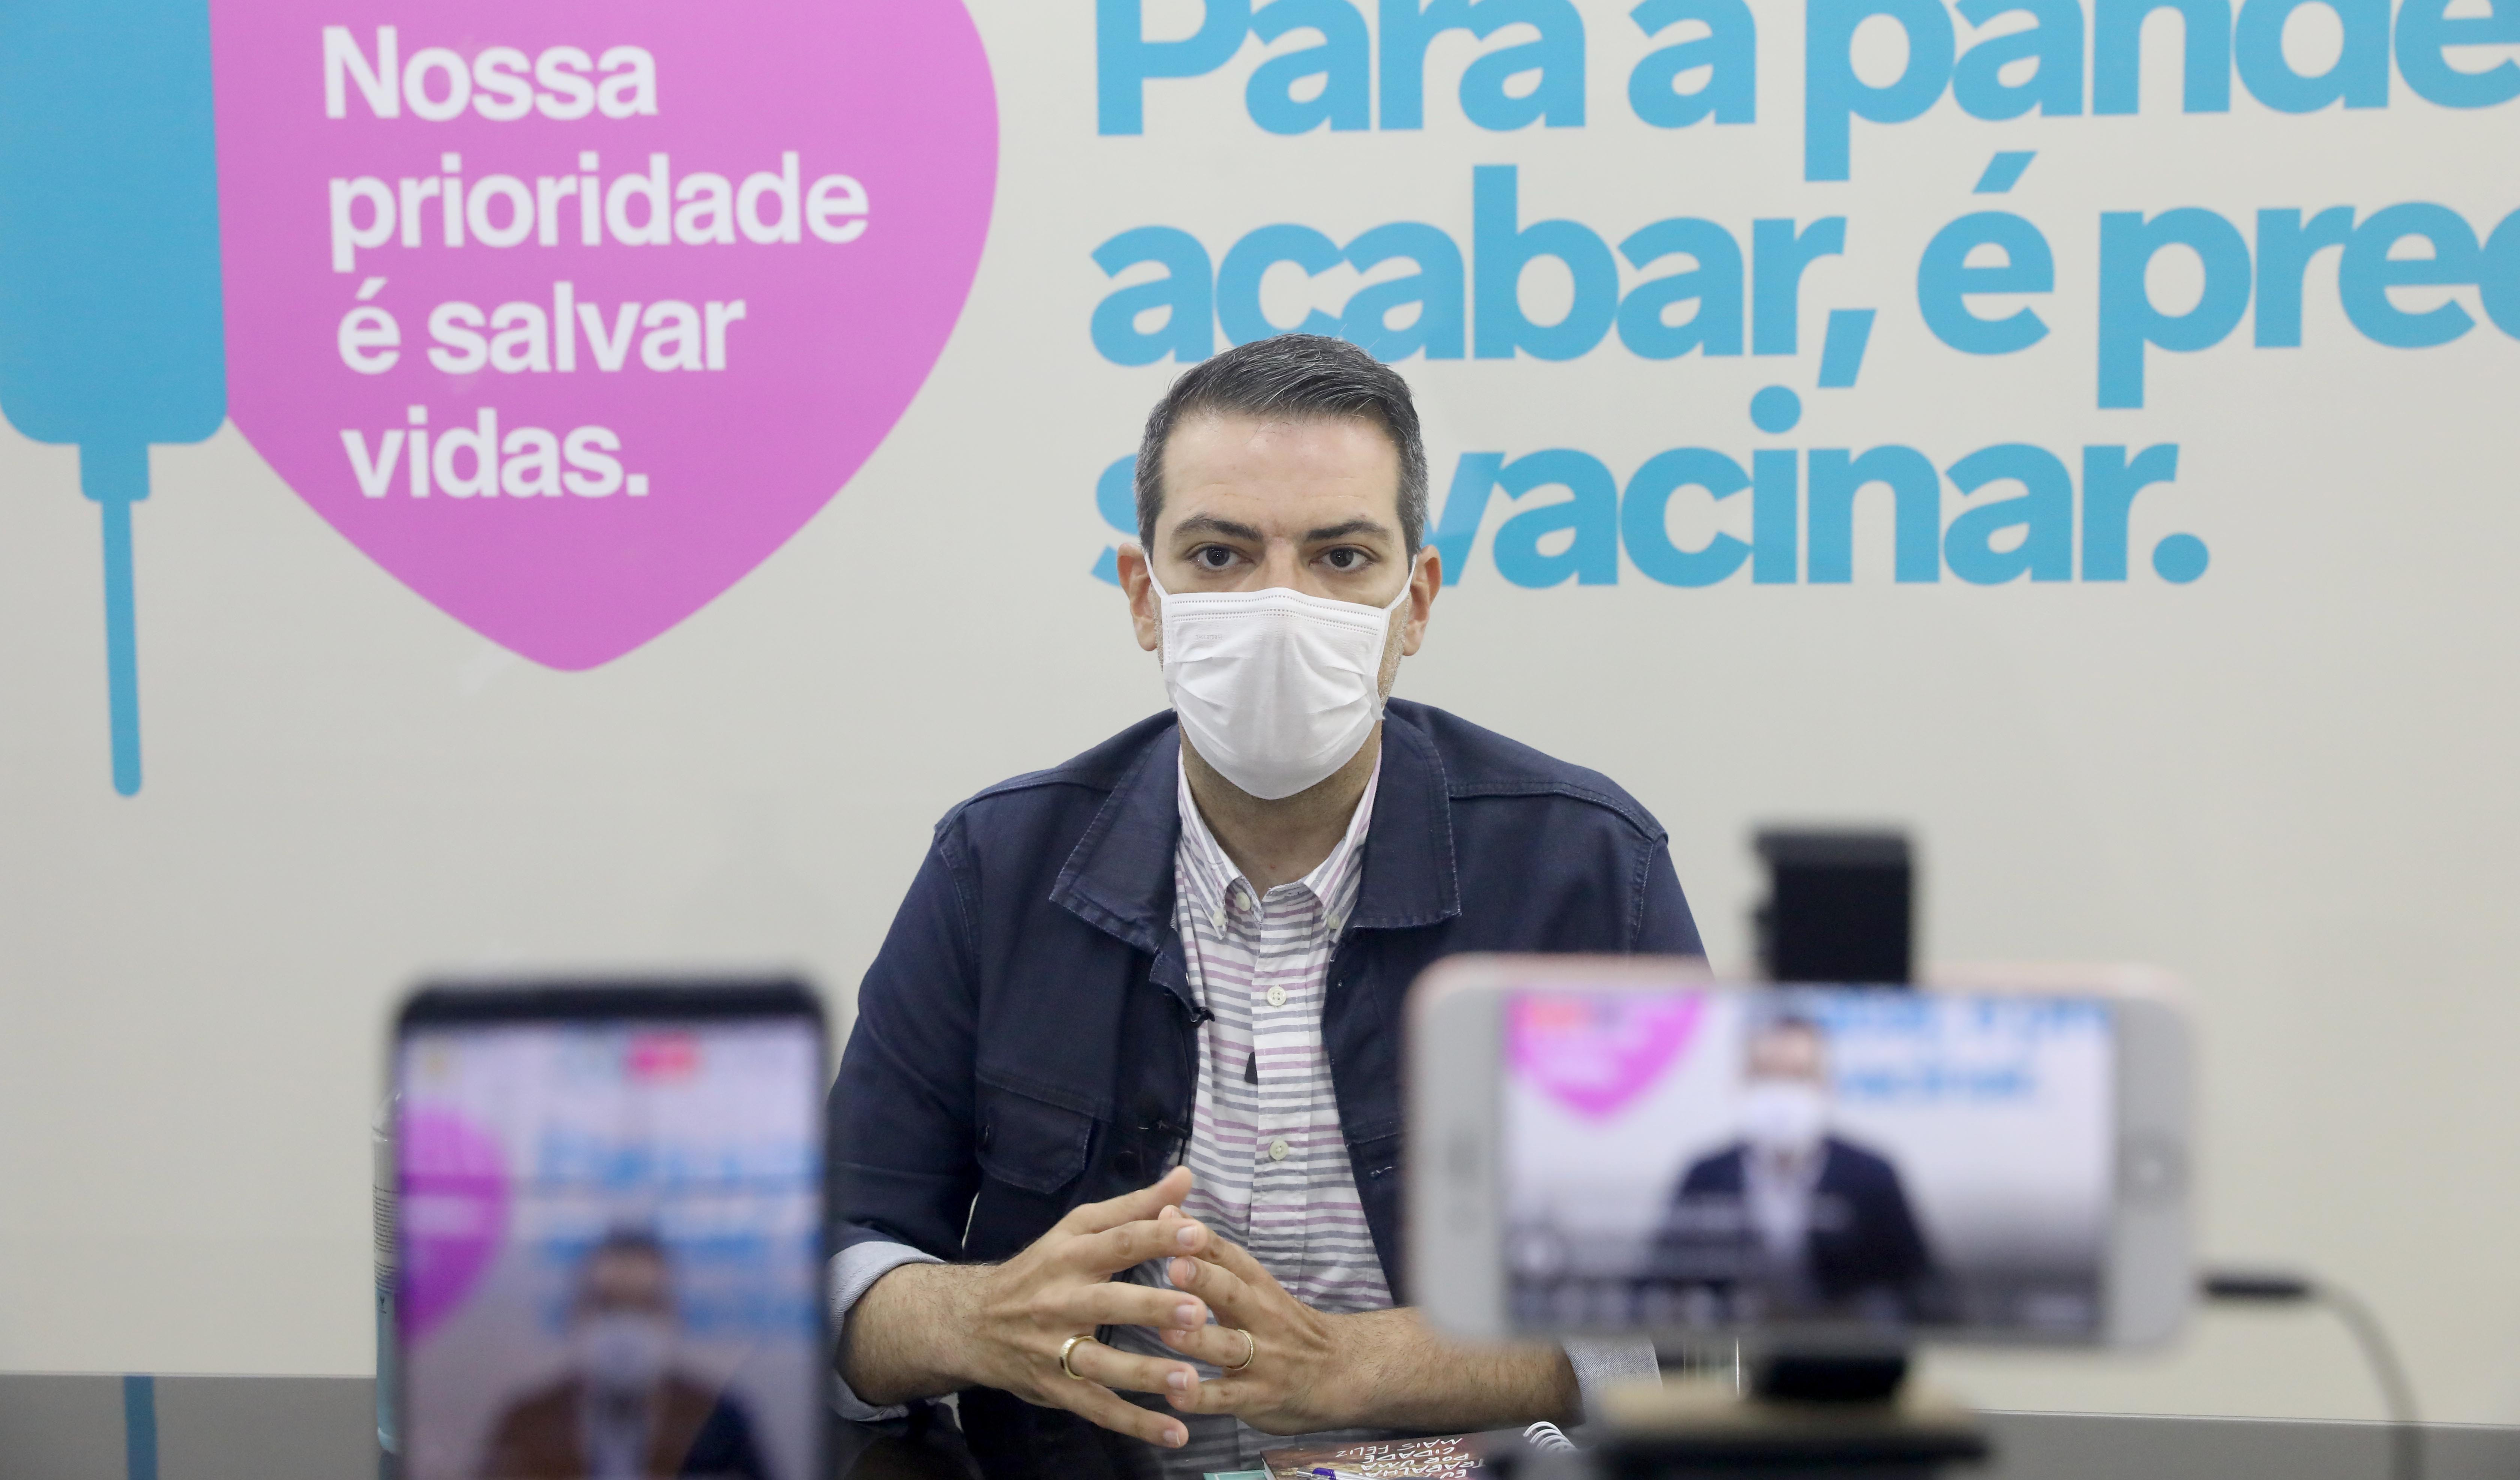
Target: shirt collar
x,y
1209,871
1119,877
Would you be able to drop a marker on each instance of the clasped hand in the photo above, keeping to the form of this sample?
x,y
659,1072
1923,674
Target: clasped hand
x,y
1026,1326
1019,1319
1288,1368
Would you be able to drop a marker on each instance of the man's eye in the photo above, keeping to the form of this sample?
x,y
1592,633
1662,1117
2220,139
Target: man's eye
x,y
1213,557
1345,560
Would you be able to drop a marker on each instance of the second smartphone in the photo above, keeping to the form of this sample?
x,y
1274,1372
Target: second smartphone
x,y
1619,1146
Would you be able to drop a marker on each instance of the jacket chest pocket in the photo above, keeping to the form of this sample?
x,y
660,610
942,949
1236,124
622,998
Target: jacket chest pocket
x,y
1032,1145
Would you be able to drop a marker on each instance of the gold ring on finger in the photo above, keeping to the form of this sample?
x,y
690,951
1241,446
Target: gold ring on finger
x,y
1250,1349
1067,1351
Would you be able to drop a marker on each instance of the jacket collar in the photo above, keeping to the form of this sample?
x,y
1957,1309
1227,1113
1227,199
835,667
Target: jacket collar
x,y
1119,877
1408,877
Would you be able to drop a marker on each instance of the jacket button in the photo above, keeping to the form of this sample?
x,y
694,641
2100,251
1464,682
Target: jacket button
x,y
988,1133
1127,1162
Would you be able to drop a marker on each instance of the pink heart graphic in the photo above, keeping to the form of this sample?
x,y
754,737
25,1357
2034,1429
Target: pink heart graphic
x,y
1594,1051
451,1213
699,260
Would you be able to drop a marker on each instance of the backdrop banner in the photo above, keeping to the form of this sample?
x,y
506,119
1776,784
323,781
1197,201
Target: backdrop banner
x,y
2081,431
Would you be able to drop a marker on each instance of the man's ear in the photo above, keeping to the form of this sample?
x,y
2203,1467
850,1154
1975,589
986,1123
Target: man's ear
x,y
1145,610
1425,583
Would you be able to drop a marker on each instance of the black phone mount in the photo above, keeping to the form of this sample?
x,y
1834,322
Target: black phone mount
x,y
1841,906
1786,1377
1851,1414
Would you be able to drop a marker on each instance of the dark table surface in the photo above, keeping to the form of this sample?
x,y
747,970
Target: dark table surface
x,y
71,1427
2026,1446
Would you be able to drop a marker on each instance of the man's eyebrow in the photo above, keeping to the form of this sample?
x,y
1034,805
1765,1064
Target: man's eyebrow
x,y
1208,524
1343,531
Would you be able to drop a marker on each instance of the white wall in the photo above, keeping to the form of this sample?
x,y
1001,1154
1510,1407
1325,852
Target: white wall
x,y
2289,781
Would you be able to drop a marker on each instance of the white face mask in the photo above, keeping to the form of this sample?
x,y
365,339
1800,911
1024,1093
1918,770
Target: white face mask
x,y
1274,688
1784,1117
623,1351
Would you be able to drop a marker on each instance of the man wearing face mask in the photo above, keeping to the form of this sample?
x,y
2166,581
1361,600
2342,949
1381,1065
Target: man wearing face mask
x,y
1139,1014
1791,1219
623,1412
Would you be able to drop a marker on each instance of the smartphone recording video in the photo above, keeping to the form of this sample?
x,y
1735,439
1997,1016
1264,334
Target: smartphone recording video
x,y
1700,1159
611,1232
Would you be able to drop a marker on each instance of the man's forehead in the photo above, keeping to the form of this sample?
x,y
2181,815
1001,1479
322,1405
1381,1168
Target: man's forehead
x,y
616,1267
1791,1043
1279,477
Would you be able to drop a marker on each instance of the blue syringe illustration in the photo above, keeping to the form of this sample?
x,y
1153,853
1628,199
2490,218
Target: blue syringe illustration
x,y
110,321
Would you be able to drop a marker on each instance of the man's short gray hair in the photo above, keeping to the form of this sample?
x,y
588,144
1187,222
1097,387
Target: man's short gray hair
x,y
1298,376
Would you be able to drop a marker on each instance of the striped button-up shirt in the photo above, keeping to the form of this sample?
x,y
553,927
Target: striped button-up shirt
x,y
1272,1165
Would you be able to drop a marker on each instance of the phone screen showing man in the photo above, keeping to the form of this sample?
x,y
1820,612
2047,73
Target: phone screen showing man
x,y
611,1245
1886,1160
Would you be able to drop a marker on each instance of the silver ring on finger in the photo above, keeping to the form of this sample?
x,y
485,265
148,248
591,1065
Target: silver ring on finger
x,y
1251,1350
1067,1351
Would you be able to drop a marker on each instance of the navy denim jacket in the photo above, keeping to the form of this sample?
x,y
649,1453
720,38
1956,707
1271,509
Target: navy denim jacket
x,y
1025,1041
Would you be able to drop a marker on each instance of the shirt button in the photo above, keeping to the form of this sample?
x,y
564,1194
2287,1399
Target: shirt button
x,y
1277,997
1279,1149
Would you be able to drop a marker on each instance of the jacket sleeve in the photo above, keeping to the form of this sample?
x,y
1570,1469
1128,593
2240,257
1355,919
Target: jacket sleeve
x,y
902,1164
1664,925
